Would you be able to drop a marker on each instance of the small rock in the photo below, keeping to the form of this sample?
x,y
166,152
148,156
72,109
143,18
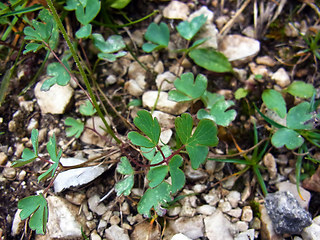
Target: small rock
x,y
22,175
258,69
224,206
234,198
26,105
89,137
33,124
144,231
229,183
199,188
115,220
3,158
95,206
249,32
12,126
55,100
266,60
239,49
217,227
149,98
165,81
267,230
115,233
256,223
281,77
313,183
9,172
176,10
110,80
95,236
312,232
221,21
206,209
247,235
159,68
236,213
165,120
137,73
180,236
191,227
212,198
125,208
165,136
17,224
241,226
247,214
292,188
202,11
102,226
286,213
270,162
195,174
133,88
91,225
175,211
292,29
137,37
75,197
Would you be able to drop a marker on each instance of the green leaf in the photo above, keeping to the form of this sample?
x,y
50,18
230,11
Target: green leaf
x,y
159,35
196,145
113,44
298,117
154,198
111,57
135,103
189,29
240,93
154,159
187,88
220,115
59,75
274,101
301,89
55,157
149,126
209,99
288,137
178,178
32,47
76,127
87,109
139,140
118,4
211,60
85,14
34,140
157,174
125,185
47,17
71,5
37,207
84,31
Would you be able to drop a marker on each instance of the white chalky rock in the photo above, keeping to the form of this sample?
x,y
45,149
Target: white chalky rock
x,y
191,227
239,49
165,81
165,120
133,88
55,100
149,98
281,77
217,227
115,233
176,10
180,236
202,11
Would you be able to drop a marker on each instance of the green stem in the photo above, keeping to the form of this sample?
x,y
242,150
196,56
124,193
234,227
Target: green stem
x,y
84,76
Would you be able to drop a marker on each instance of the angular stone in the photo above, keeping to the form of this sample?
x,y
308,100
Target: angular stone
x,y
191,227
95,205
144,231
115,233
217,227
286,214
281,77
312,232
165,81
176,10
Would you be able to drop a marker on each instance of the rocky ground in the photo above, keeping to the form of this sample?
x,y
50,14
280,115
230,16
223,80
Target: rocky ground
x,y
260,38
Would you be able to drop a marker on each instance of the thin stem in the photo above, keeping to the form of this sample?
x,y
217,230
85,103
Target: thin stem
x,y
83,74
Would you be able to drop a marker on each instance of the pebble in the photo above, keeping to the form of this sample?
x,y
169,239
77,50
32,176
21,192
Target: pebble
x,y
175,211
191,227
95,206
256,223
125,208
313,183
312,232
102,226
22,175
212,198
217,227
180,236
164,104
229,183
165,81
221,21
115,233
27,106
133,88
206,210
95,236
114,220
145,230
239,49
234,198
281,77
270,162
224,206
91,225
33,124
76,198
12,126
236,213
195,174
259,69
3,158
54,101
267,230
86,212
247,214
199,188
165,120
241,226
176,10
246,235
159,68
9,172
266,60
17,224
165,137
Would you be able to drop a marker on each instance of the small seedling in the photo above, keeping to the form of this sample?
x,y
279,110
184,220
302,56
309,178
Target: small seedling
x,y
164,161
87,109
76,127
158,35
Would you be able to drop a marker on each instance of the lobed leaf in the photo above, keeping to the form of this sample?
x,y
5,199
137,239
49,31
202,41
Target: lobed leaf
x,y
125,185
187,88
159,35
154,198
209,99
288,137
274,101
220,114
85,14
178,178
118,4
211,60
189,29
113,44
124,167
87,109
299,116
301,89
157,174
240,93
37,207
84,31
76,127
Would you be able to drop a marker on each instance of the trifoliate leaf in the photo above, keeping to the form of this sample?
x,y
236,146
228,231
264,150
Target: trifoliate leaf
x,y
157,174
221,115
274,101
159,35
189,29
299,116
209,99
211,60
154,198
124,167
125,185
87,109
37,207
85,14
76,127
288,137
187,88
113,44
301,89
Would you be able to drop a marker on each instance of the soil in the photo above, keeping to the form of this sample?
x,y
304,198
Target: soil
x,y
273,42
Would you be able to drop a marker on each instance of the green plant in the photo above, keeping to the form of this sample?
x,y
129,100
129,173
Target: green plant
x,y
188,89
162,160
210,59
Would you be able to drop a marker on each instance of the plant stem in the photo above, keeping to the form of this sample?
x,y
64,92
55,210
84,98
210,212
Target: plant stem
x,y
84,76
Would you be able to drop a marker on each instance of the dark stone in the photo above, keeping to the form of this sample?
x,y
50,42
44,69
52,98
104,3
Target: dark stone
x,y
286,214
